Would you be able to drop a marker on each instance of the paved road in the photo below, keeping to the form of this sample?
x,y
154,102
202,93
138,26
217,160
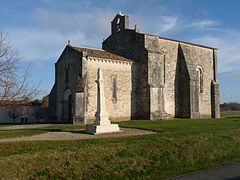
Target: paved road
x,y
229,172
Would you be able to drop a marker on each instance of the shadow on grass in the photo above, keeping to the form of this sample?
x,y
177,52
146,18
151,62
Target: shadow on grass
x,y
232,117
33,123
14,133
235,178
80,130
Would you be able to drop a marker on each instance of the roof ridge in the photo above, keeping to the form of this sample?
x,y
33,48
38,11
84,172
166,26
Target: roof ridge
x,y
86,47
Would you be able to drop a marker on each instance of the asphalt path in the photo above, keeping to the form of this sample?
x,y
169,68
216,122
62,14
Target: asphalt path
x,y
228,172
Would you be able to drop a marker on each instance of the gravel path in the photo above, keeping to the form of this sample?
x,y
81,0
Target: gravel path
x,y
76,135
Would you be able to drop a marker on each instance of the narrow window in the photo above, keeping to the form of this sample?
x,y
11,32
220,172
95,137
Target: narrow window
x,y
114,88
200,79
67,67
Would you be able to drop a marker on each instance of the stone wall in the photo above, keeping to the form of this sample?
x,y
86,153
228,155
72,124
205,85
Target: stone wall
x,y
119,108
171,67
65,88
130,44
52,98
27,114
159,51
179,73
197,57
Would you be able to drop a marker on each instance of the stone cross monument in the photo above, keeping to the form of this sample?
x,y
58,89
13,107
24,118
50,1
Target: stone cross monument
x,y
102,123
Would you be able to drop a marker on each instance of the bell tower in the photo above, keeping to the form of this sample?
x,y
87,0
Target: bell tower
x,y
119,23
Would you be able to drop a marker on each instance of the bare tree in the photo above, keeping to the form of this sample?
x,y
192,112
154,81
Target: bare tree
x,y
15,86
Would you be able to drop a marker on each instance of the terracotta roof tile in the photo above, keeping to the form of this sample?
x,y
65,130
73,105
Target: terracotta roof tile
x,y
14,103
99,53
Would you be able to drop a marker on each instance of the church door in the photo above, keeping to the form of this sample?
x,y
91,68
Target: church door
x,y
69,104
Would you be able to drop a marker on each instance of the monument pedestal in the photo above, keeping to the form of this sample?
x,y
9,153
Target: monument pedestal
x,y
101,129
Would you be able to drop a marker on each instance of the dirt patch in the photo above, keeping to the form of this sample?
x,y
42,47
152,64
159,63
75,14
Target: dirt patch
x,y
77,134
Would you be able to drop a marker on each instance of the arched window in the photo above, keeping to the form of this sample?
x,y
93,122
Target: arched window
x,y
200,79
114,88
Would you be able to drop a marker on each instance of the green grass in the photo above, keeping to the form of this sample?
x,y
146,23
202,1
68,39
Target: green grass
x,y
183,127
178,147
35,131
228,114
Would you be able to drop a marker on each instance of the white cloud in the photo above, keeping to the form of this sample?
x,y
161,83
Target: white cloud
x,y
167,24
236,74
53,29
46,40
39,45
228,43
207,23
90,24
156,25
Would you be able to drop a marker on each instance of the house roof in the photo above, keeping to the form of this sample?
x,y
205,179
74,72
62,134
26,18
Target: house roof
x,y
15,103
99,53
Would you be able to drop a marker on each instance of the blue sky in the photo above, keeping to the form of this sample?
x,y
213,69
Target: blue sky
x,y
40,30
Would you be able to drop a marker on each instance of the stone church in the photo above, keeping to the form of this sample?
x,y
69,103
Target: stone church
x,y
145,77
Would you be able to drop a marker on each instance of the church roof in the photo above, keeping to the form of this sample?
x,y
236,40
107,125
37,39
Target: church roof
x,y
180,41
99,53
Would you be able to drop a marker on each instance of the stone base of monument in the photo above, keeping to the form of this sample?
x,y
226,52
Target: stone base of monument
x,y
102,129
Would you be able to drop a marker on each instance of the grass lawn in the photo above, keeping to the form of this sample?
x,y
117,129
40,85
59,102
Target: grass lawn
x,y
228,114
179,147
